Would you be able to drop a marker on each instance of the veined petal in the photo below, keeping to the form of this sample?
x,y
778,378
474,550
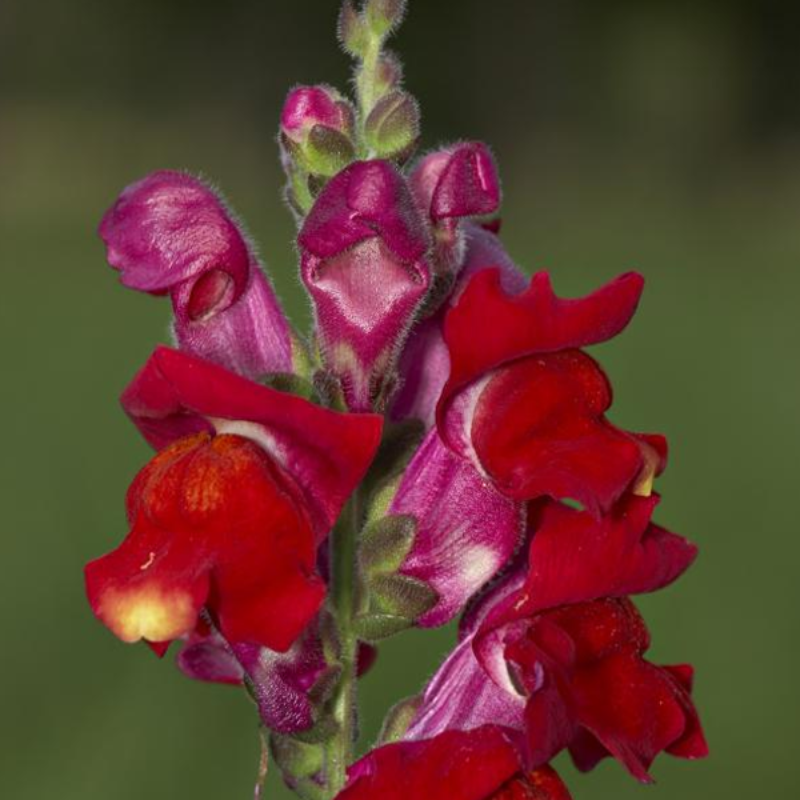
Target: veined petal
x,y
327,453
461,696
466,530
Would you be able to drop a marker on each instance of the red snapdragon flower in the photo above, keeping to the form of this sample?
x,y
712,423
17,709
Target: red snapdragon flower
x,y
227,516
528,405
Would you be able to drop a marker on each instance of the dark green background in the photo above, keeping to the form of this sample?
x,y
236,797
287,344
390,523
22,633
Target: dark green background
x,y
654,135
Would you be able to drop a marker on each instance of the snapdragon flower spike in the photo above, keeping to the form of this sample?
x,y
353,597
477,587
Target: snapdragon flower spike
x,y
453,185
528,406
172,234
364,264
478,765
465,529
228,516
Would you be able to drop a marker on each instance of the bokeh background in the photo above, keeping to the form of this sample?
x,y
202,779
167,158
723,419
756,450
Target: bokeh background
x,y
658,135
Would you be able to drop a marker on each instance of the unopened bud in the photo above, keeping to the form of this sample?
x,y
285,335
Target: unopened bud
x,y
393,126
354,34
388,73
384,16
309,106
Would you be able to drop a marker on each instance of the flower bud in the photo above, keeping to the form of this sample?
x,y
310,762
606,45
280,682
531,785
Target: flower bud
x,y
393,126
317,131
364,264
453,185
352,30
308,106
384,16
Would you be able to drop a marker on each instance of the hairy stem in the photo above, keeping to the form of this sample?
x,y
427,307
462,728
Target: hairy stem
x,y
366,79
344,577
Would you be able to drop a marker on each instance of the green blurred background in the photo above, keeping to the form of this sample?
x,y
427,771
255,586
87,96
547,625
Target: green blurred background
x,y
658,135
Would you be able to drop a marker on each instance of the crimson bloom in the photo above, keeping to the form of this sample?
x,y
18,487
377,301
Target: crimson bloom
x,y
230,512
555,651
528,405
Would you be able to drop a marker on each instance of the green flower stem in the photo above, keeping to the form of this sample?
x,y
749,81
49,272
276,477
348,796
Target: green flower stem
x,y
366,80
344,577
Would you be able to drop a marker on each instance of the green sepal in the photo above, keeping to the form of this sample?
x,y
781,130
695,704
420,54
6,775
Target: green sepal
x,y
290,384
374,627
401,596
398,719
392,128
326,151
385,543
322,731
296,759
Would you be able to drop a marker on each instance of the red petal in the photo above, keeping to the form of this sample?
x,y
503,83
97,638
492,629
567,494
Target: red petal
x,y
575,557
488,328
539,429
632,707
326,452
215,522
456,765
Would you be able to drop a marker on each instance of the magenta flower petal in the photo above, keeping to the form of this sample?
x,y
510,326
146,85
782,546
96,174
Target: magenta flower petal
x,y
170,233
363,262
466,530
461,696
